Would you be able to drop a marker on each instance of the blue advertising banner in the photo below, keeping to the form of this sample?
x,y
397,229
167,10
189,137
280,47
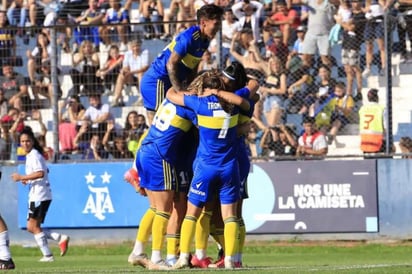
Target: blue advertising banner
x,y
88,195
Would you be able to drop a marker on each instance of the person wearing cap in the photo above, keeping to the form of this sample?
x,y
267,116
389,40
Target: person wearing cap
x,y
372,124
276,47
312,143
14,87
287,20
177,65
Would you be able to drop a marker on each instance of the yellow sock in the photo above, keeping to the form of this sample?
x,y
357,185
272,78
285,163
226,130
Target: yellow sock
x,y
202,230
159,229
145,226
172,246
231,236
242,235
187,233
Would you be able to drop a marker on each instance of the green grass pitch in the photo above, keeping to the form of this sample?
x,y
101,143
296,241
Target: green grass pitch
x,y
259,257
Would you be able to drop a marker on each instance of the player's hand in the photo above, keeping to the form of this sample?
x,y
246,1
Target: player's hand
x,y
16,177
132,177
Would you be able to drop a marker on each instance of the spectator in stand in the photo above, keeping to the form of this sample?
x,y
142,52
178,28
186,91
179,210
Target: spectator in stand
x,y
91,16
134,128
207,63
42,51
118,17
43,85
86,62
312,143
14,87
69,122
325,85
374,31
6,136
118,147
229,28
273,92
91,148
179,10
353,31
4,104
48,152
17,13
286,19
97,115
320,21
372,124
405,144
135,63
279,141
300,85
321,109
404,27
152,13
343,107
275,47
249,13
111,68
251,60
7,40
17,127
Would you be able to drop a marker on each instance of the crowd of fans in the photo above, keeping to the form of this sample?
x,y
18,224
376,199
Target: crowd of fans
x,y
286,45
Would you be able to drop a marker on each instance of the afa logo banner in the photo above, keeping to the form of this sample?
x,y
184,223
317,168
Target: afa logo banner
x,y
88,195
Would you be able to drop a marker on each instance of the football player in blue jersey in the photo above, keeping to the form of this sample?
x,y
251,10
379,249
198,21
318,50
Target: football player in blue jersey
x,y
235,78
215,167
159,161
177,65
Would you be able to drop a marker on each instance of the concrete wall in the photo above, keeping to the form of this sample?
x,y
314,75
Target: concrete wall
x,y
394,196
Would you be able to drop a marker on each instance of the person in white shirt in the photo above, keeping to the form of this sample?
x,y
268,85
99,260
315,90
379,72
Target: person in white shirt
x,y
135,63
40,196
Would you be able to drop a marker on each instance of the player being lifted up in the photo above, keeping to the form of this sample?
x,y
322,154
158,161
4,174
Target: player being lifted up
x,y
177,65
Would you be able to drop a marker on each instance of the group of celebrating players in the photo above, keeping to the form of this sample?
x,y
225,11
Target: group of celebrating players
x,y
192,163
